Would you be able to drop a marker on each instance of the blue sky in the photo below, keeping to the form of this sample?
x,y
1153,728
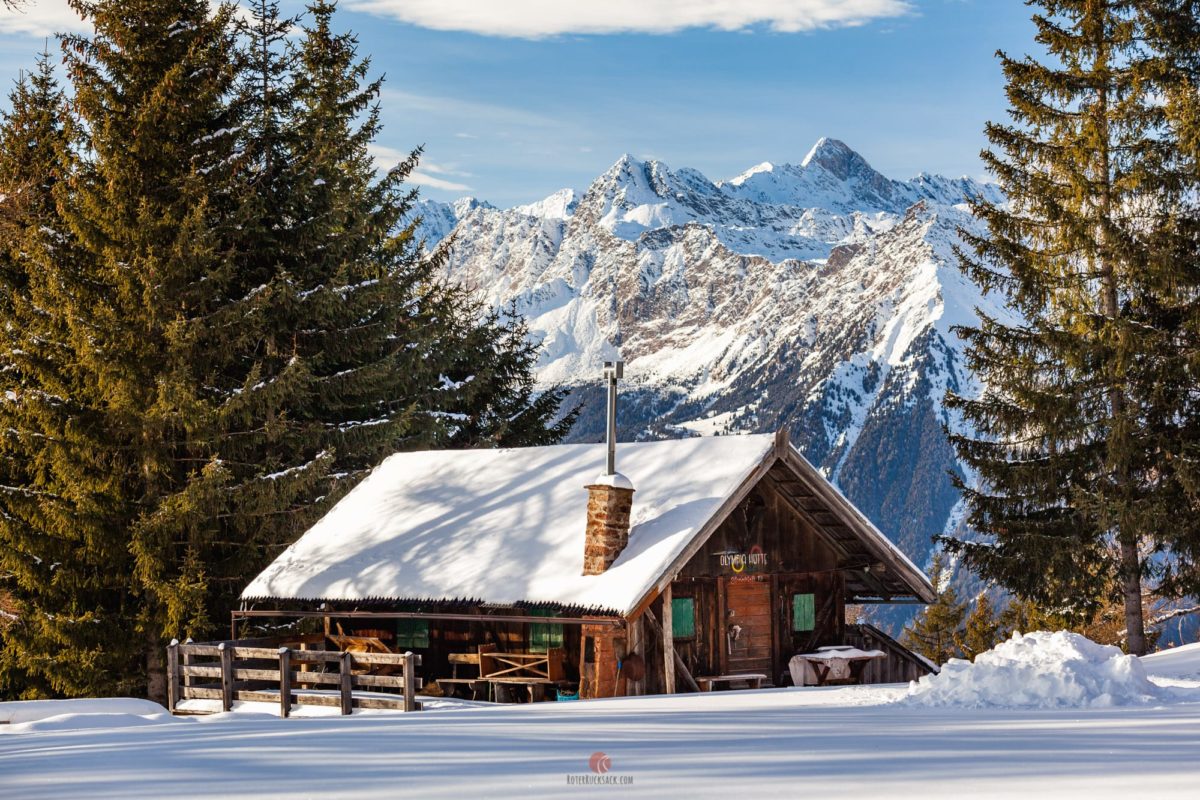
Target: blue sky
x,y
552,102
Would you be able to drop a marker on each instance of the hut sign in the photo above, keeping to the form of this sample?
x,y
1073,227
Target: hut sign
x,y
738,562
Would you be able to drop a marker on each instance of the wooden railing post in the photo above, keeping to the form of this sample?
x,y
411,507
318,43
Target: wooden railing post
x,y
347,688
410,682
285,682
186,661
668,640
172,675
226,675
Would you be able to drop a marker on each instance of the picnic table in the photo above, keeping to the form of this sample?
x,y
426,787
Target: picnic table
x,y
501,673
510,672
835,664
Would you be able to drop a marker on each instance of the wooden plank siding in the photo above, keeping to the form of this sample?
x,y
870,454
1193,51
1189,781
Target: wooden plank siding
x,y
900,666
746,574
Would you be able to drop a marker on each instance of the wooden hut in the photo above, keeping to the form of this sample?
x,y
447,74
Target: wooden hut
x,y
705,562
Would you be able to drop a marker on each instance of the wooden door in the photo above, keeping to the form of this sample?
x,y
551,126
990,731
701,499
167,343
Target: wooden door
x,y
748,627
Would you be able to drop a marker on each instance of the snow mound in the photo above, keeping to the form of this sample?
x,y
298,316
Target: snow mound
x,y
19,711
81,722
1040,670
30,716
1177,662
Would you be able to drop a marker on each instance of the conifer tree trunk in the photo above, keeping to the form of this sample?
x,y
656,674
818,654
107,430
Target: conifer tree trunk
x,y
156,672
1129,570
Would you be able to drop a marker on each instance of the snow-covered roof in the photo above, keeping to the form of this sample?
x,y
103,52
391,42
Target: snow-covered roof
x,y
507,526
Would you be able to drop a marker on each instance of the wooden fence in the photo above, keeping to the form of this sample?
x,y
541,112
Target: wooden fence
x,y
234,670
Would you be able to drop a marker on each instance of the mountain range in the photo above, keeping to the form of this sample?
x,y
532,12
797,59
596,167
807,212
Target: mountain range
x,y
821,295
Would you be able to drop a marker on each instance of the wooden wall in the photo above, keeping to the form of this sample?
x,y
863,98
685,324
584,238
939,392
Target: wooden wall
x,y
900,666
745,575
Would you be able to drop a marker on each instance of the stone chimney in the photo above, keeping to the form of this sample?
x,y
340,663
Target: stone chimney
x,y
610,499
610,496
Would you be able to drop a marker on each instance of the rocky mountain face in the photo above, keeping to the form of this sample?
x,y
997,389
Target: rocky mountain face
x,y
820,295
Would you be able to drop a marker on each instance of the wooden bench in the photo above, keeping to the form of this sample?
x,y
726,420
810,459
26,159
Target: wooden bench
x,y
754,679
479,688
831,666
535,686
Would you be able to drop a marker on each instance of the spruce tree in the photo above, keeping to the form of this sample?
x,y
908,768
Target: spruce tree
x,y
981,631
358,349
1172,313
153,210
1067,452
1025,616
32,134
496,401
935,632
62,578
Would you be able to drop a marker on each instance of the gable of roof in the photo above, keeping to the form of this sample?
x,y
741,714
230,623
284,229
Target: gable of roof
x,y
881,569
506,527
875,569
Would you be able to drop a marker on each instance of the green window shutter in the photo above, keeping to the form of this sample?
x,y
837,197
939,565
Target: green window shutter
x,y
683,617
804,612
412,634
544,635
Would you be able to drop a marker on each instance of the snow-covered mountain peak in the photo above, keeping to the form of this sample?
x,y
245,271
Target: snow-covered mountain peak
x,y
765,166
560,205
837,158
464,205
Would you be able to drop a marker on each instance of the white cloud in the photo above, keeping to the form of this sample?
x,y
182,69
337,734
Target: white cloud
x,y
444,169
41,18
425,175
421,179
537,18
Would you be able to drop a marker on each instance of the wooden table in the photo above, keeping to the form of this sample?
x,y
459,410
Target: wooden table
x,y
531,671
834,665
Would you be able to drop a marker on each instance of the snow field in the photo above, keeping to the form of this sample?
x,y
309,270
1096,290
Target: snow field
x,y
856,741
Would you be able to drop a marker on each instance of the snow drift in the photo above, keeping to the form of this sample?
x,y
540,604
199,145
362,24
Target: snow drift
x,y
30,716
1177,662
1040,670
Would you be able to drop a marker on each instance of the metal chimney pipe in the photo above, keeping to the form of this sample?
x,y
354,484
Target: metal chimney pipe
x,y
613,371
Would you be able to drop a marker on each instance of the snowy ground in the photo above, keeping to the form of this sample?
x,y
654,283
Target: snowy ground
x,y
844,742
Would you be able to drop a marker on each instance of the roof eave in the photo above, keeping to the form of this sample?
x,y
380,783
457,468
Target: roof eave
x,y
852,517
